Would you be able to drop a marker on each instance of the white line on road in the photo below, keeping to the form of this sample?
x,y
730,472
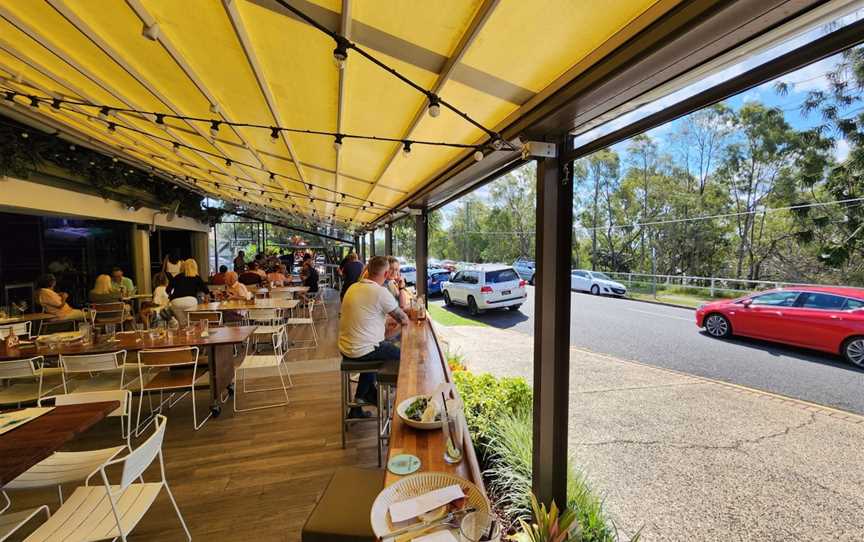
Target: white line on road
x,y
662,315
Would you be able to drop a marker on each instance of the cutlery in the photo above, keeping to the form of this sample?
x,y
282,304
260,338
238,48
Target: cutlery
x,y
427,524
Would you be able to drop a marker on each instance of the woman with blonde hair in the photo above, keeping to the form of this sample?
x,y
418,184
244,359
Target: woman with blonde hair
x,y
183,290
103,292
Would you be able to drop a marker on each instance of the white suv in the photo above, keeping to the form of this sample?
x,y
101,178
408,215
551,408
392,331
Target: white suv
x,y
485,287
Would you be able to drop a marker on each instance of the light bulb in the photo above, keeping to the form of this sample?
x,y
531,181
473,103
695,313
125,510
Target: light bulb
x,y
434,110
337,142
406,148
103,113
274,134
214,128
478,155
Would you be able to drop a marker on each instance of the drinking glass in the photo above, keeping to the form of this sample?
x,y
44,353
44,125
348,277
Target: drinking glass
x,y
110,330
205,327
84,328
479,526
451,424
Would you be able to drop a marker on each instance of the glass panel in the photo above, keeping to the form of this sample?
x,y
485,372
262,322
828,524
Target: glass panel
x,y
504,275
776,299
814,300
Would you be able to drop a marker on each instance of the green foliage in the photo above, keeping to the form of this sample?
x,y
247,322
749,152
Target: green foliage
x,y
487,398
547,526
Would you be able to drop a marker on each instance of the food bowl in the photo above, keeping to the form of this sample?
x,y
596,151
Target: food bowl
x,y
403,406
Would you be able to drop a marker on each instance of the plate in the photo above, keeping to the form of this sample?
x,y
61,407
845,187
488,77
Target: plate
x,y
414,486
403,406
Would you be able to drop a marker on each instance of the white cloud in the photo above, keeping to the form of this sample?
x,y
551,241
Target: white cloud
x,y
841,149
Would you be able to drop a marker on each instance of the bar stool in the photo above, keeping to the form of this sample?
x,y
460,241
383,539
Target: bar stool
x,y
387,372
342,512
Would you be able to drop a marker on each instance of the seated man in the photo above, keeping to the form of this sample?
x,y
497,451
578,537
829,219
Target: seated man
x,y
122,284
361,327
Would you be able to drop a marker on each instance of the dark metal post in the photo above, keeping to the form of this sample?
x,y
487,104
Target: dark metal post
x,y
422,250
357,245
552,327
388,240
372,243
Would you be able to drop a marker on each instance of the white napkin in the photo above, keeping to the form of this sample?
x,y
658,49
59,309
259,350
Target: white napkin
x,y
438,536
401,511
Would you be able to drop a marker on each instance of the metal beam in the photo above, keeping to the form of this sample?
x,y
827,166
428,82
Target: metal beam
x,y
345,30
552,328
372,243
388,240
468,37
421,238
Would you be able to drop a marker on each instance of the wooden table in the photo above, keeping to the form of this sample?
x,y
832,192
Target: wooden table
x,y
292,289
421,369
30,443
32,317
240,305
219,345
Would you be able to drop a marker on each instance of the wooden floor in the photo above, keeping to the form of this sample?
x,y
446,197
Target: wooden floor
x,y
252,474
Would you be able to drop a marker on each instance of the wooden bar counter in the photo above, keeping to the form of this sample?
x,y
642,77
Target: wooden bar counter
x,y
421,369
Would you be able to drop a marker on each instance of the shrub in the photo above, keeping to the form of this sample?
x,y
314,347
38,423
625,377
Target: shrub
x,y
487,398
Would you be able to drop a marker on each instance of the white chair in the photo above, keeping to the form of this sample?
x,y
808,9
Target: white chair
x,y
265,361
307,321
65,467
21,329
160,377
11,522
269,321
101,371
319,300
111,512
27,380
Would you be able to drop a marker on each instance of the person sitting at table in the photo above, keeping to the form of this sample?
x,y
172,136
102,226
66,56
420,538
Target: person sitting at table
x,y
277,277
240,262
55,302
309,274
350,269
103,291
122,284
219,278
236,289
395,284
362,326
252,277
184,289
159,308
171,265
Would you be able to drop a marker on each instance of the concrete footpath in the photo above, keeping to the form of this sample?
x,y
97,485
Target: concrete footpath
x,y
687,458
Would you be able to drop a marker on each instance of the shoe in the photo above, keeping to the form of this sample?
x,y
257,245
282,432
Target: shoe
x,y
357,413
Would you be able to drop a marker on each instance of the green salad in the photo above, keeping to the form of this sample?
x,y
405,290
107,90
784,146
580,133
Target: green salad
x,y
418,407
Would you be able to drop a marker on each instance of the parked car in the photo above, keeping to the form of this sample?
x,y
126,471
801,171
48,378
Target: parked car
x,y
409,273
487,286
437,277
830,319
449,265
525,268
595,282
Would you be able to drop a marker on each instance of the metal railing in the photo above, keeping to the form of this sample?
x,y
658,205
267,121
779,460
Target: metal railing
x,y
712,286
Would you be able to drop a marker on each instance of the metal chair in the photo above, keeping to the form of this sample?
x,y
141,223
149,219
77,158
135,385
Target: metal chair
x,y
12,521
102,314
162,378
112,511
265,361
47,327
21,329
269,321
307,321
319,300
27,376
101,370
65,467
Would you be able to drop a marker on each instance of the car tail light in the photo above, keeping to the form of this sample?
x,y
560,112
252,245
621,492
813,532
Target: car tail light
x,y
522,283
486,290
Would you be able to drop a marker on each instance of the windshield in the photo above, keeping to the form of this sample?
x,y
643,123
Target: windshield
x,y
598,275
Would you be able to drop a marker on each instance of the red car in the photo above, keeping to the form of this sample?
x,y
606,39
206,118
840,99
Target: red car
x,y
822,318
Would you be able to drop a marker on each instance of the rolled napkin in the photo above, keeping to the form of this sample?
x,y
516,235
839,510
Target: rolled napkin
x,y
405,510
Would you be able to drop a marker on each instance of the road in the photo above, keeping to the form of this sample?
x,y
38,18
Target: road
x,y
668,337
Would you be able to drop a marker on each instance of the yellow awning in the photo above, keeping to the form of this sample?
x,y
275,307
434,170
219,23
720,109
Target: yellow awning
x,y
250,61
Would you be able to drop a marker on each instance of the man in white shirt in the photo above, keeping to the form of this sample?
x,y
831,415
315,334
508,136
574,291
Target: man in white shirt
x,y
362,326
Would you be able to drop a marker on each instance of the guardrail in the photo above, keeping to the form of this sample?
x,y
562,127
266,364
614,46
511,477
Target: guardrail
x,y
712,286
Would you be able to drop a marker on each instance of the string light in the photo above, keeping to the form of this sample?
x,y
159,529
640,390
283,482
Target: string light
x,y
406,148
478,155
111,127
10,97
34,102
434,105
160,118
103,112
340,53
214,128
274,134
55,103
176,147
337,142
228,162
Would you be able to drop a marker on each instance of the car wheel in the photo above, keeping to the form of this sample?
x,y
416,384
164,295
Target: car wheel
x,y
595,290
447,301
472,306
718,326
514,308
853,351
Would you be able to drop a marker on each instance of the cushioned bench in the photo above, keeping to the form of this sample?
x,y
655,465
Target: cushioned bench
x,y
342,512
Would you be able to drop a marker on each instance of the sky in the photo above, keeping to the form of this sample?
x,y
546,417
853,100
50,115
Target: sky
x,y
799,82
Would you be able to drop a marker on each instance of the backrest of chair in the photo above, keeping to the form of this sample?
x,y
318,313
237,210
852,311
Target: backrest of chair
x,y
108,316
86,397
92,362
214,317
21,329
107,307
311,306
56,326
278,342
141,457
264,315
167,357
19,368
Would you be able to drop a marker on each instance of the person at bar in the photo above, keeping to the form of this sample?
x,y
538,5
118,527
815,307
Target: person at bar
x,y
365,309
55,302
350,269
122,284
395,284
183,290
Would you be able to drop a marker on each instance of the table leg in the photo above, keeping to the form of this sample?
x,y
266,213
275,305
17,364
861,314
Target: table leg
x,y
221,361
215,407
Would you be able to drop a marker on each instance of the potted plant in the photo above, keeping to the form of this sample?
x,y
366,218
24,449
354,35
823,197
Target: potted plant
x,y
548,526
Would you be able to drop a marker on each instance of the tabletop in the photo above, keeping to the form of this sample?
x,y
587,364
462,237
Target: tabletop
x,y
129,341
32,317
30,443
303,289
241,305
421,369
